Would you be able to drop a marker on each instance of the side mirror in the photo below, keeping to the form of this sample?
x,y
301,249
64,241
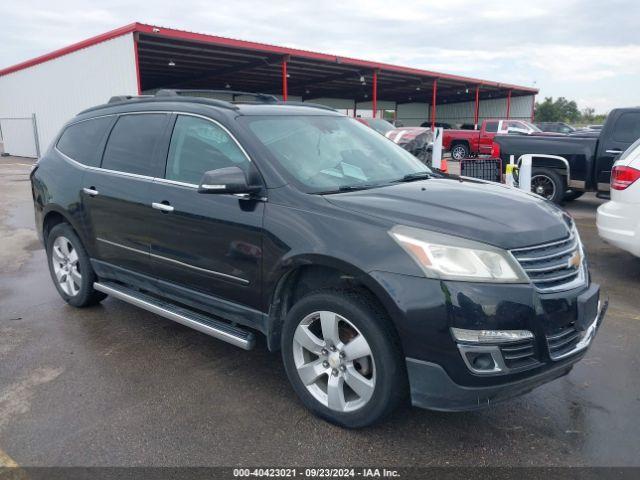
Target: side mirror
x,y
226,180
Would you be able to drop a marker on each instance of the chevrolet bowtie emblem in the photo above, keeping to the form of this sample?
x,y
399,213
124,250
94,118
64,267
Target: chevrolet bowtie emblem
x,y
576,260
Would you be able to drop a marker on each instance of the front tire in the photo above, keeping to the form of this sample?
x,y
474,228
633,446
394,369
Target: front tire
x,y
343,358
548,184
459,151
70,267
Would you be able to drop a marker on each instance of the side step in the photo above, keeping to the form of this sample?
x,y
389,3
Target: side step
x,y
210,326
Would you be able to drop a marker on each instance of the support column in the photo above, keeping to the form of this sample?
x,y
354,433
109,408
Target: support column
x,y
285,92
375,93
508,104
477,109
533,108
433,104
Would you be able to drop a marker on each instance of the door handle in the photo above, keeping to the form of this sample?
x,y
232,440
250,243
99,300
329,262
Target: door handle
x,y
91,191
614,152
163,207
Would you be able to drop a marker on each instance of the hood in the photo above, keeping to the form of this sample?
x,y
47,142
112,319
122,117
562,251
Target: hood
x,y
481,211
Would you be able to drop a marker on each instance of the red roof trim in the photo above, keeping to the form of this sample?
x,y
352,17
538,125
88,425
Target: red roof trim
x,y
255,46
71,48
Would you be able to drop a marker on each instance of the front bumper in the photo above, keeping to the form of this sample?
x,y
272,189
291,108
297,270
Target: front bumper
x,y
433,388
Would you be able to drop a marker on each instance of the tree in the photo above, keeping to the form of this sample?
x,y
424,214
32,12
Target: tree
x,y
560,110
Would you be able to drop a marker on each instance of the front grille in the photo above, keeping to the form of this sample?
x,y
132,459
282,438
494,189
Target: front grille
x,y
562,341
553,266
519,355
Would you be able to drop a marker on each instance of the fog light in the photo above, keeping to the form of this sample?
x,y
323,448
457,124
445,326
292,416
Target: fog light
x,y
482,361
490,336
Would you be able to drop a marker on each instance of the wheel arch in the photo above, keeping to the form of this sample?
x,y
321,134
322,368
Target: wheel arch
x,y
55,215
555,162
306,273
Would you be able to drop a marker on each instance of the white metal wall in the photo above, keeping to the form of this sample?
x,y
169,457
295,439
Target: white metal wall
x,y
413,114
58,89
18,136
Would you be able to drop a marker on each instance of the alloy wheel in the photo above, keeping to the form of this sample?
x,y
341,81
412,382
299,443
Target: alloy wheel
x,y
458,153
66,266
334,361
543,186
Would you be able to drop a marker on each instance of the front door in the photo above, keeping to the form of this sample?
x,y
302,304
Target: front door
x,y
211,243
615,140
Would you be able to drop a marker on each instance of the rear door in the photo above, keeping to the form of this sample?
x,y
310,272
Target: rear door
x,y
211,243
116,196
615,139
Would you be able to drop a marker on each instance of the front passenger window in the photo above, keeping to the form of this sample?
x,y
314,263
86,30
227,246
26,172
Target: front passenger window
x,y
197,146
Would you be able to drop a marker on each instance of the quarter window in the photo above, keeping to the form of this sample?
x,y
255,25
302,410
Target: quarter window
x,y
197,146
132,143
81,141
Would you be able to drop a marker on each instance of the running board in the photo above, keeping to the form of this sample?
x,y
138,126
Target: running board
x,y
210,326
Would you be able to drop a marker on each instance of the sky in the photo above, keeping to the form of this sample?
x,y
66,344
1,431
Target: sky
x,y
588,50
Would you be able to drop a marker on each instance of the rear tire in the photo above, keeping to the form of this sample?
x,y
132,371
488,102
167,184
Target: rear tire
x,y
70,267
362,351
571,195
459,151
548,184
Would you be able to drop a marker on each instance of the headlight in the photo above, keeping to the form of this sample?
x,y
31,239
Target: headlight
x,y
453,258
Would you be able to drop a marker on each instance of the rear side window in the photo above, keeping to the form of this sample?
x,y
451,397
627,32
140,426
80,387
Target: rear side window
x,y
81,141
627,127
491,127
132,143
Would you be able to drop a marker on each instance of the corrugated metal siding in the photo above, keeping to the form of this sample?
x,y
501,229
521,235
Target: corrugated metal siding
x,y
413,114
58,89
17,137
490,108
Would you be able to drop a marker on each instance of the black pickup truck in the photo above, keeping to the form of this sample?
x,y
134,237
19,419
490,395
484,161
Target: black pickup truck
x,y
564,167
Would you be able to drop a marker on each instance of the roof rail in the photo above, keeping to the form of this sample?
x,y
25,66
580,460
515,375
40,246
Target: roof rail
x,y
124,98
260,97
308,104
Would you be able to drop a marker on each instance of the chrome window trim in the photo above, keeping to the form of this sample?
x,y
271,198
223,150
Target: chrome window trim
x,y
147,177
177,262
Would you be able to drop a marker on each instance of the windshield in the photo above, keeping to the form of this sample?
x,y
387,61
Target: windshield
x,y
533,127
330,153
379,125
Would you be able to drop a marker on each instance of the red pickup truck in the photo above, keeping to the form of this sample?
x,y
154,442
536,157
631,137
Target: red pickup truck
x,y
463,143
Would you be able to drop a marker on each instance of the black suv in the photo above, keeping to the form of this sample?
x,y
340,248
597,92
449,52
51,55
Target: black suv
x,y
375,277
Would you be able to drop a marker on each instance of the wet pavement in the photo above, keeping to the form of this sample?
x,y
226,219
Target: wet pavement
x,y
115,385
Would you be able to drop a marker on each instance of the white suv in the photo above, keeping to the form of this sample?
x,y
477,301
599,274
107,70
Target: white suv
x,y
619,220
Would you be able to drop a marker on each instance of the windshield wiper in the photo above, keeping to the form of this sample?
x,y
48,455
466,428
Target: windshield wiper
x,y
411,177
350,188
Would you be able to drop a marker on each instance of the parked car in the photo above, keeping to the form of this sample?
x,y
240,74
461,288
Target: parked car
x,y
463,143
375,277
444,125
555,127
416,140
595,127
618,220
378,124
564,167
